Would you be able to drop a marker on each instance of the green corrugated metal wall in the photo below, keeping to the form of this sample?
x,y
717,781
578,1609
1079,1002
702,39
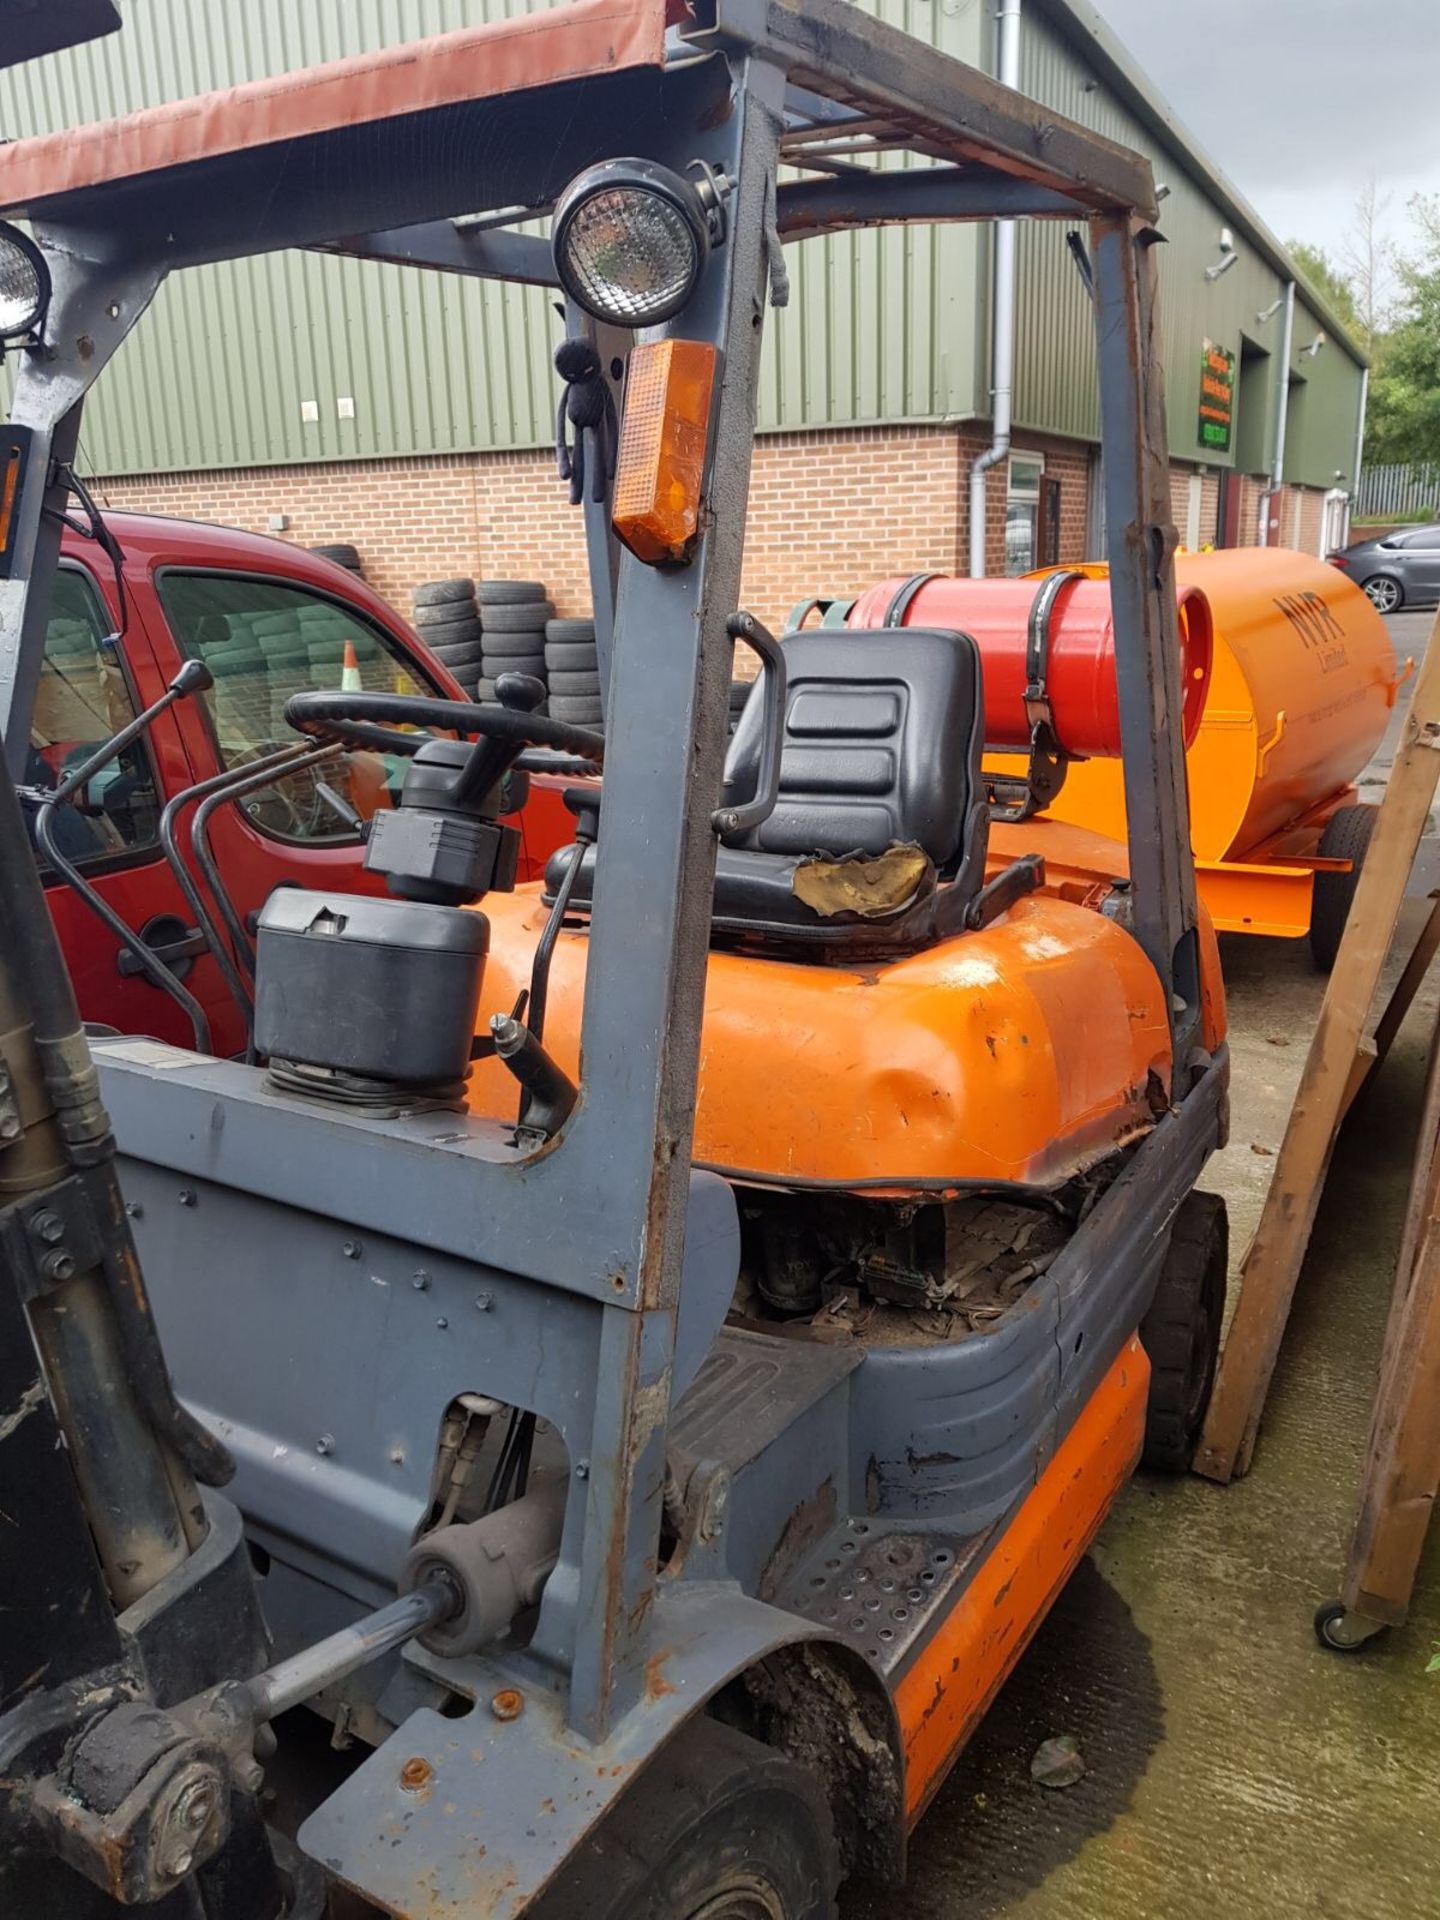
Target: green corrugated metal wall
x,y
1055,377
880,326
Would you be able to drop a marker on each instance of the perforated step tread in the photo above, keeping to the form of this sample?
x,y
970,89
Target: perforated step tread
x,y
881,1588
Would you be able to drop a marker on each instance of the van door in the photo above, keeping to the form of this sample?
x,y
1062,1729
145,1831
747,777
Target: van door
x,y
91,686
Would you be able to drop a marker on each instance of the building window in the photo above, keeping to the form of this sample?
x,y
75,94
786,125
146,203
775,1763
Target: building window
x,y
82,699
1022,513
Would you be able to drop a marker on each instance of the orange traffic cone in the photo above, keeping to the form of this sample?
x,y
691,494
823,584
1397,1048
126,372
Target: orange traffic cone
x,y
350,681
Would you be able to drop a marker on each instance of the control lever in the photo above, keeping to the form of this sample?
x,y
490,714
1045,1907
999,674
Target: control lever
x,y
548,1092
194,677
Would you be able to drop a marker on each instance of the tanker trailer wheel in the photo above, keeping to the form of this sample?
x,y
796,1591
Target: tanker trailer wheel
x,y
717,1827
1346,837
1181,1332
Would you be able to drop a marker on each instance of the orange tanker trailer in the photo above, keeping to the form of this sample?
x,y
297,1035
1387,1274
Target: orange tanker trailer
x,y
1303,679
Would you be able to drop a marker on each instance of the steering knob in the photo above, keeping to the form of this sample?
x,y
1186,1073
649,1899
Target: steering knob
x,y
521,692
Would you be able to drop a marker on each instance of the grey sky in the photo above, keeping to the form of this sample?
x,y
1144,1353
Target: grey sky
x,y
1298,100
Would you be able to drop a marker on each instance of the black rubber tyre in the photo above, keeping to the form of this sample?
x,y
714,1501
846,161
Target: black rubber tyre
x,y
510,593
445,613
461,653
574,683
568,632
484,689
1181,1332
496,664
501,644
439,593
342,553
717,1825
739,694
571,656
1385,593
439,632
526,616
1346,837
582,709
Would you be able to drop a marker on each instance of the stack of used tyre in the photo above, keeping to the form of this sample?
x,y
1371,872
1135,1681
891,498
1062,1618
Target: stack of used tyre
x,y
513,614
572,668
286,660
343,555
449,622
739,694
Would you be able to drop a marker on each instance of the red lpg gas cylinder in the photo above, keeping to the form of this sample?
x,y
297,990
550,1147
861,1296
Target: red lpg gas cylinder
x,y
1078,649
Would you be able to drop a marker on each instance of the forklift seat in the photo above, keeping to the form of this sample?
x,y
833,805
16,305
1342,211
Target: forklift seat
x,y
883,735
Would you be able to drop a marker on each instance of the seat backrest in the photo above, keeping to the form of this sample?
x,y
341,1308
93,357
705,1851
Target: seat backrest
x,y
883,735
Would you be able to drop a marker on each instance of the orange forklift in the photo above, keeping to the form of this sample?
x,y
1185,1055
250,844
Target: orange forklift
x,y
627,1362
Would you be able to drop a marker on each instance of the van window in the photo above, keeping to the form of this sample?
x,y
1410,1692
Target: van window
x,y
82,699
264,641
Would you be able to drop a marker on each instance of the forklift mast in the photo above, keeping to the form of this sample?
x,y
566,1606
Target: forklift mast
x,y
595,1267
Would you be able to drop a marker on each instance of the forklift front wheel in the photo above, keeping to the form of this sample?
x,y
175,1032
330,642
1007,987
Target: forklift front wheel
x,y
1181,1332
718,1825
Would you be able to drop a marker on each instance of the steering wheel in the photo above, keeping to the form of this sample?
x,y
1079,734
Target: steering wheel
x,y
356,720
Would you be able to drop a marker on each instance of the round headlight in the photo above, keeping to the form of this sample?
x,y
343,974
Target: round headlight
x,y
24,284
630,239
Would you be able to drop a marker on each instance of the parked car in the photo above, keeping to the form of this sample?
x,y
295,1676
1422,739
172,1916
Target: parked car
x,y
1402,569
268,619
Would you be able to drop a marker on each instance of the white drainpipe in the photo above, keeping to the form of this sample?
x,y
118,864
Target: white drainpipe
x,y
1002,367
1282,413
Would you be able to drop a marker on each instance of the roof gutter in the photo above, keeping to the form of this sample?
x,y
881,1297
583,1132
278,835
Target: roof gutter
x,y
1002,349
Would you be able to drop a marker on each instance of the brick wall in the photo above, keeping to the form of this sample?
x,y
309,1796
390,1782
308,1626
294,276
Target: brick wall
x,y
829,512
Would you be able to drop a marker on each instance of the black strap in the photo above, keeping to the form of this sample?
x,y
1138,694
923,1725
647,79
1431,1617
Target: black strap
x,y
1013,800
1038,711
900,604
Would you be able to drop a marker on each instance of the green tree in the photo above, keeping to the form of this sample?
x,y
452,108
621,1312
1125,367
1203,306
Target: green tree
x,y
1404,420
1322,276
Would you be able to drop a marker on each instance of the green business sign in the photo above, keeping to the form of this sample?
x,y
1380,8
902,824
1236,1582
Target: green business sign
x,y
1217,397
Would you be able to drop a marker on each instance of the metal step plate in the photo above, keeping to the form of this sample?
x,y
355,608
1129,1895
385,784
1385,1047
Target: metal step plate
x,y
883,1589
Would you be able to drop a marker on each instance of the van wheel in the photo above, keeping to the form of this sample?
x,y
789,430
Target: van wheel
x,y
1181,1332
1346,837
717,1827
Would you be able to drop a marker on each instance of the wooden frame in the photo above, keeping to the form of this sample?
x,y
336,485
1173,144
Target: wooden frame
x,y
1340,1059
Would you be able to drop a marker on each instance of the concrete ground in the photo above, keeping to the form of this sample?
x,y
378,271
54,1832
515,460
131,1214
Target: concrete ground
x,y
1236,1770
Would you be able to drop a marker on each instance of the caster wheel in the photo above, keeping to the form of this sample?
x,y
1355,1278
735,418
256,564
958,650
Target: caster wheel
x,y
1342,1631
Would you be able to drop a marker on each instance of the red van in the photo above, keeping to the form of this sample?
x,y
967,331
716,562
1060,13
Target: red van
x,y
268,619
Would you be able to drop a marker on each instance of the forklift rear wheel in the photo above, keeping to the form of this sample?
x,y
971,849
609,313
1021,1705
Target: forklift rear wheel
x,y
718,1827
1181,1332
1346,837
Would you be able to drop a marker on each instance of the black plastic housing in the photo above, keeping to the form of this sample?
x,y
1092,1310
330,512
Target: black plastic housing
x,y
386,990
